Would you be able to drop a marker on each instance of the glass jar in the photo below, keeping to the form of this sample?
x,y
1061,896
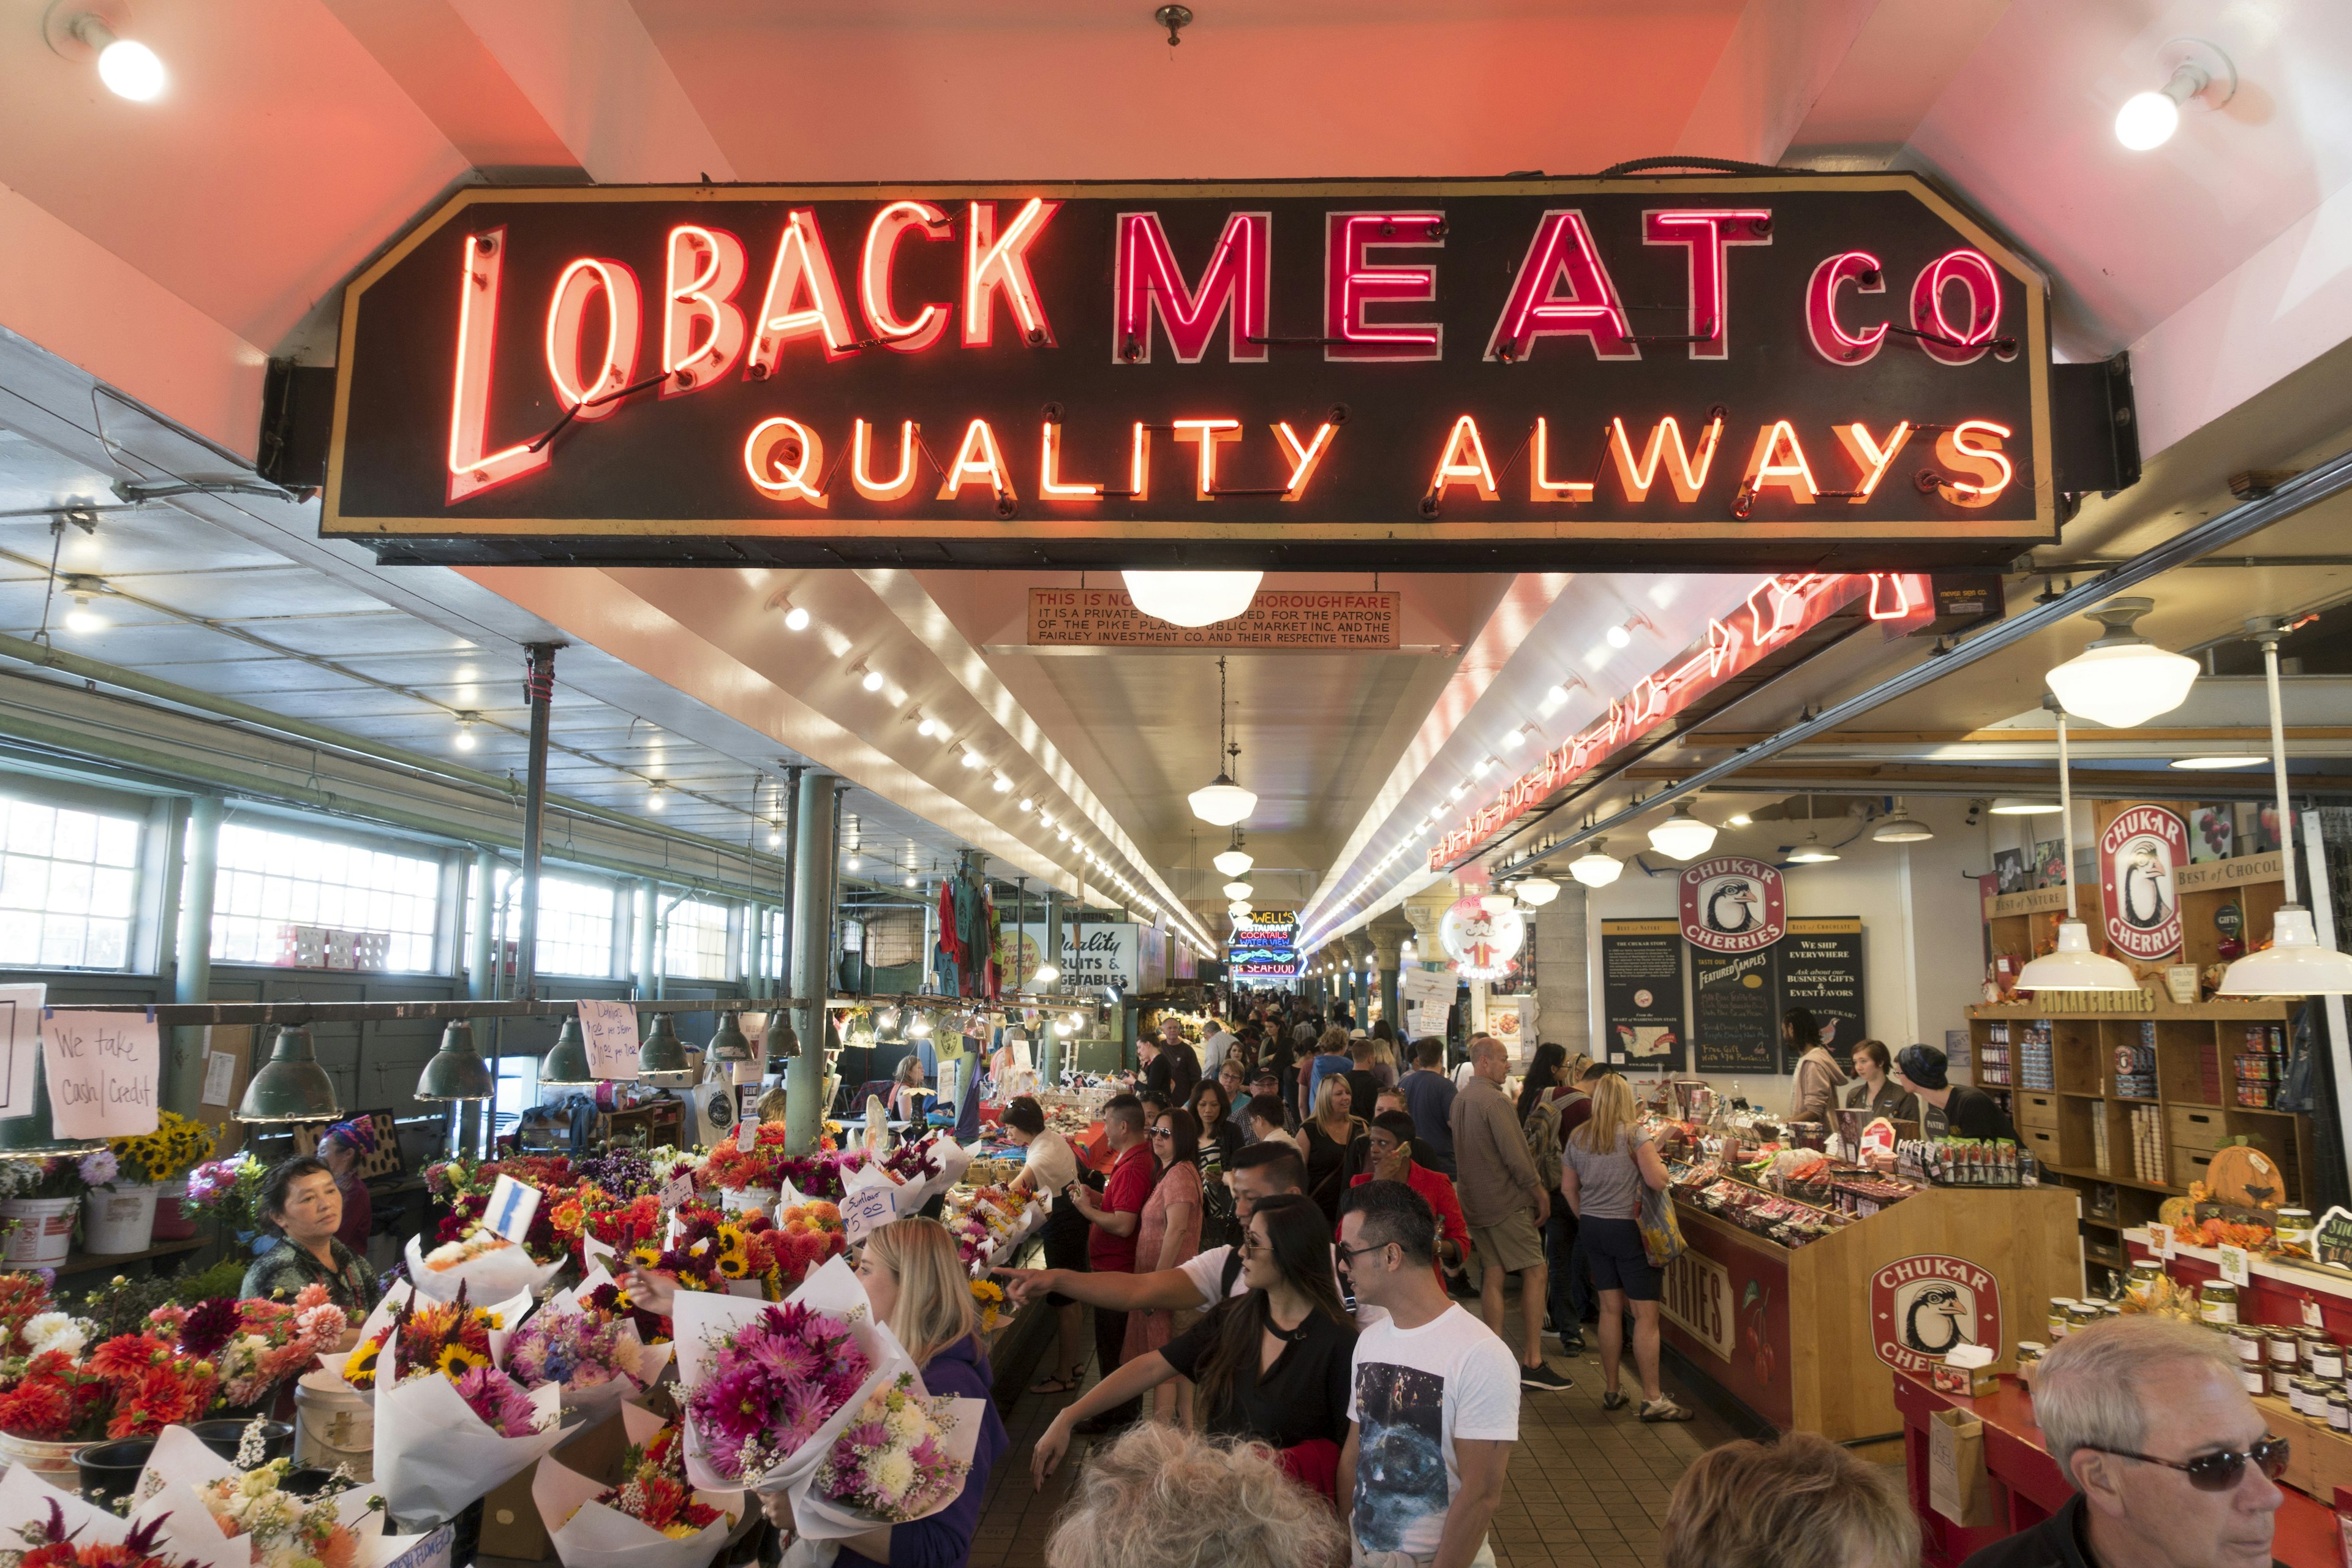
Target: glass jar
x,y
2285,1347
2145,1273
2218,1303
2252,1378
2294,1231
2298,1396
2327,1361
2084,1314
2062,1310
2283,1379
2339,1409
2248,1341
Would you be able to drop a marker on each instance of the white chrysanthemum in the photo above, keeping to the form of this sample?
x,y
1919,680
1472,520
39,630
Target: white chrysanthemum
x,y
56,1331
905,1422
892,1473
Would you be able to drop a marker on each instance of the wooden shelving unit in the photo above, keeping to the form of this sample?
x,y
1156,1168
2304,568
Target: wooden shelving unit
x,y
2066,1118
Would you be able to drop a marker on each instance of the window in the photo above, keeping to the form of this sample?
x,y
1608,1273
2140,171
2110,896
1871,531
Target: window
x,y
575,921
774,960
694,941
516,1091
270,883
65,886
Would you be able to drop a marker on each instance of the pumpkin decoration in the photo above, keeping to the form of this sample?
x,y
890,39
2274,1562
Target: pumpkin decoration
x,y
2180,1214
2241,1174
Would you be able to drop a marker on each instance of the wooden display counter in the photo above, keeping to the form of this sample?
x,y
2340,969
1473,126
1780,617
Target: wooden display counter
x,y
1947,1265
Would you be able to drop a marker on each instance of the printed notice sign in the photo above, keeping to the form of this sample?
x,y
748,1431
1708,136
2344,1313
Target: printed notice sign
x,y
610,1029
220,1077
20,1036
103,1071
1313,619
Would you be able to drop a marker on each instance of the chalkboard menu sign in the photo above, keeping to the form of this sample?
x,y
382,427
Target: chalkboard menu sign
x,y
1734,1012
1641,994
1821,970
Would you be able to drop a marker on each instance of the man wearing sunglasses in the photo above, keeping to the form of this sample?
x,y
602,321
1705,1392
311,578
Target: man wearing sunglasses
x,y
2172,1464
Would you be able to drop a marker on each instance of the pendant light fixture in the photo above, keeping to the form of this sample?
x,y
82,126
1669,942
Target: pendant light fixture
x,y
565,1065
1234,861
2073,967
783,1042
1221,803
2021,806
1497,903
2123,678
1536,891
292,1086
455,1071
662,1058
1901,828
1237,891
1192,598
1682,836
1813,852
1596,868
728,1042
2295,964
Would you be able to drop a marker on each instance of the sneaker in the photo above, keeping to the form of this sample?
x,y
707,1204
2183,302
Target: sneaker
x,y
1663,1408
1571,1344
1543,1380
1614,1400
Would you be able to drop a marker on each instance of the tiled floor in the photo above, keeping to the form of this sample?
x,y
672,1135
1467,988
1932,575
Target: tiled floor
x,y
1586,1488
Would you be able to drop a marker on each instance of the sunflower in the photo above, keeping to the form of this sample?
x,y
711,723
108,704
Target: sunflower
x,y
455,1360
645,1255
359,1367
734,1260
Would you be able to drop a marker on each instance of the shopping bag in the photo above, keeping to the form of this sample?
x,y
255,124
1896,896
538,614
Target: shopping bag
x,y
1661,1237
1958,1487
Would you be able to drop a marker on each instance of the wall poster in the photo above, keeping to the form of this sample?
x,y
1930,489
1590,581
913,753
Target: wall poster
x,y
1734,1012
1643,1024
1820,971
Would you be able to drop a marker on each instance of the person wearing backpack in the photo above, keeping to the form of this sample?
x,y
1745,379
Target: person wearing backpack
x,y
1564,1279
1505,1201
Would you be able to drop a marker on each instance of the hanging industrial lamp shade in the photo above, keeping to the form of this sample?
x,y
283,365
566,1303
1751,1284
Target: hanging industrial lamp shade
x,y
2123,678
1536,891
784,1042
921,1026
1682,836
2075,967
1901,828
291,1086
728,1042
2021,806
1812,852
1594,868
1192,598
2295,964
32,1136
566,1063
457,1071
663,1054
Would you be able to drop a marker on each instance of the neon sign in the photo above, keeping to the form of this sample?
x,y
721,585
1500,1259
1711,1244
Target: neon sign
x,y
1693,372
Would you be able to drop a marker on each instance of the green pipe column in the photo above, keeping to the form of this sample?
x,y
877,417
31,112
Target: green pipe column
x,y
648,914
813,860
191,961
1051,1047
481,977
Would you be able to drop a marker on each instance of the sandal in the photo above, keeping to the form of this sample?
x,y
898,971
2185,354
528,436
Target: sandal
x,y
1053,1385
1663,1408
1612,1400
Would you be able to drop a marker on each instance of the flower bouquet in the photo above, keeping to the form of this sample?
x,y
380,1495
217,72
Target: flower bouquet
x,y
255,1345
447,1337
903,1457
445,1437
133,1386
925,1168
41,1526
595,1358
175,1147
230,1188
770,1387
210,1512
989,1300
491,1266
651,1518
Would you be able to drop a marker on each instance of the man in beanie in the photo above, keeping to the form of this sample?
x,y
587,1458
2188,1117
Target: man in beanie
x,y
1948,1109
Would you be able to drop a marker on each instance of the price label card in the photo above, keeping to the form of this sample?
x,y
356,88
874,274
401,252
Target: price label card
x,y
2159,1241
2235,1266
867,1209
512,1205
609,1029
675,1191
2311,1319
747,1134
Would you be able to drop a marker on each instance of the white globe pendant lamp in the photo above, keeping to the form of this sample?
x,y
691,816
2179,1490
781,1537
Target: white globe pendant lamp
x,y
2123,678
1497,903
1682,836
1233,860
1192,598
1536,891
1221,803
1594,868
2073,966
1237,891
2295,964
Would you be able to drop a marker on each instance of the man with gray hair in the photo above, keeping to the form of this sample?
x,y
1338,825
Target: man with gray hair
x,y
2172,1464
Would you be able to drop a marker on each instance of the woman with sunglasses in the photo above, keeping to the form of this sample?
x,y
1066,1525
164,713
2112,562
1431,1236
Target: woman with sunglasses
x,y
2172,1462
1270,1366
1167,1237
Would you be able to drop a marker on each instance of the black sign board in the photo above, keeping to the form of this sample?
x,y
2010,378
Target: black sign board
x,y
1820,971
1821,371
1735,1011
1641,994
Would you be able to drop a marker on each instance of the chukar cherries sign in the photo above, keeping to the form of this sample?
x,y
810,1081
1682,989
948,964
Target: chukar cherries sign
x,y
2138,855
1927,1304
1732,904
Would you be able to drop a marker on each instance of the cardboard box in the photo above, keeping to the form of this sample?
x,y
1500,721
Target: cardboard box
x,y
510,1523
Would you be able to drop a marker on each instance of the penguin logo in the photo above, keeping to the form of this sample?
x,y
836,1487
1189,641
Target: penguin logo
x,y
2147,885
1926,1306
1932,1323
2140,853
1731,907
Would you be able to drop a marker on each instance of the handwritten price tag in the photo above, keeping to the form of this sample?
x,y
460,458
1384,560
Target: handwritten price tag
x,y
2159,1240
2311,1319
747,1134
2235,1266
675,1191
867,1209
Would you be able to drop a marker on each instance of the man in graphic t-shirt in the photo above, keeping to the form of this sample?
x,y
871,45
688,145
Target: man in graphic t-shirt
x,y
1434,1398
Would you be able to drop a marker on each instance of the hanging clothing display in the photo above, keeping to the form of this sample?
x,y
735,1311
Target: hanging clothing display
x,y
952,958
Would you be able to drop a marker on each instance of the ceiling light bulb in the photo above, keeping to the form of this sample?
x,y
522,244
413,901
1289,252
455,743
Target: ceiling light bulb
x,y
1595,868
2146,120
655,799
1459,791
1901,828
910,881
1536,892
1619,637
465,742
1002,784
1221,803
873,681
975,760
2295,964
1025,803
1062,833
796,620
1515,740
1812,852
81,617
1555,697
1045,818
1046,974
2208,765
852,863
1233,862
1237,890
128,68
2122,679
775,835
1192,598
1485,766
1682,836
1497,903
2075,967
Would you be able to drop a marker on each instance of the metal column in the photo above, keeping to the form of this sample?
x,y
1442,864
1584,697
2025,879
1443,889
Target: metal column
x,y
191,961
540,687
812,958
648,915
1050,1062
482,941
784,926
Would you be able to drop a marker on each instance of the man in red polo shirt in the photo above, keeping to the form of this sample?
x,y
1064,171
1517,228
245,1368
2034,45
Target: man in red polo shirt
x,y
1110,1247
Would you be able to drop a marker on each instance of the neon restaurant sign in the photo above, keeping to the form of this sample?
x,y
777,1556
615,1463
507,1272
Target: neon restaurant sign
x,y
1798,370
1776,611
